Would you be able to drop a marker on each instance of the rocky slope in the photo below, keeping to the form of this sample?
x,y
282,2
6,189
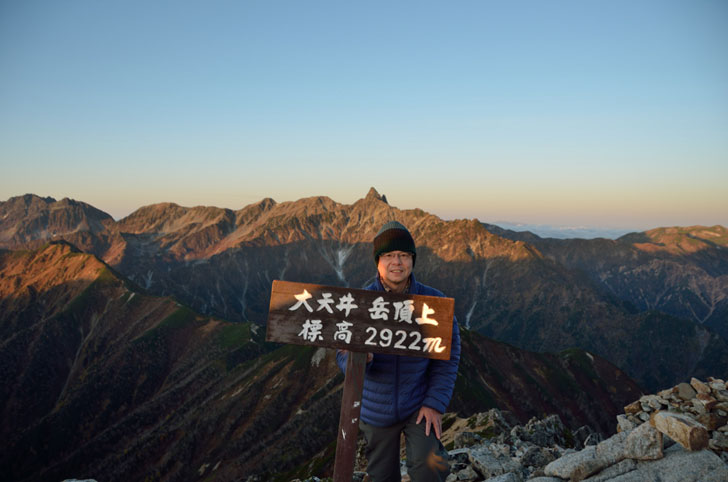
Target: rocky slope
x,y
678,435
679,271
540,295
101,379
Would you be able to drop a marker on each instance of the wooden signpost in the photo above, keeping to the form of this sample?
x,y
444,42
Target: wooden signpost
x,y
361,322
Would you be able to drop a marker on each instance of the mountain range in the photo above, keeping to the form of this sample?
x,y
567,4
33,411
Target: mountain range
x,y
134,349
653,303
101,379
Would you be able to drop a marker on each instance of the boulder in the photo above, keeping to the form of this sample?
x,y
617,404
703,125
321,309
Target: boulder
x,y
580,465
643,443
488,465
685,391
682,429
614,471
699,386
679,465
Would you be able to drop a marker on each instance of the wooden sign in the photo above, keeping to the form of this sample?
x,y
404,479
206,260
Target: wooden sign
x,y
360,320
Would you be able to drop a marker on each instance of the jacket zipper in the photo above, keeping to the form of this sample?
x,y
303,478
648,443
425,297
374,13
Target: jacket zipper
x,y
396,389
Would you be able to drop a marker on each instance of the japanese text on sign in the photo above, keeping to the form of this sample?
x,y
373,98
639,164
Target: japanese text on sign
x,y
360,320
311,329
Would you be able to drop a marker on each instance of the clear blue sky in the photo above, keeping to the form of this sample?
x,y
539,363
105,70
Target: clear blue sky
x,y
600,113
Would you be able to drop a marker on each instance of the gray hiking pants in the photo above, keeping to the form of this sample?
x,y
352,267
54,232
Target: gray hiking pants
x,y
426,457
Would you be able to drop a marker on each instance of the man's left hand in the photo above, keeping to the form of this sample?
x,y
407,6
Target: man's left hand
x,y
432,418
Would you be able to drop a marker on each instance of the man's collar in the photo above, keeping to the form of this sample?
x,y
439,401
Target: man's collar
x,y
388,290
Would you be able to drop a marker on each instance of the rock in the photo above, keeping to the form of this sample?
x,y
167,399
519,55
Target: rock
x,y
716,384
536,457
719,441
467,474
679,465
580,465
708,401
582,434
669,447
612,449
685,391
633,408
712,421
461,455
652,402
643,443
624,424
721,395
575,466
665,393
614,471
466,439
544,433
509,477
682,429
501,421
696,407
593,439
488,465
699,386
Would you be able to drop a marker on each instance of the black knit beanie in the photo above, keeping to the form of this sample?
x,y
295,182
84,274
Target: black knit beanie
x,y
394,237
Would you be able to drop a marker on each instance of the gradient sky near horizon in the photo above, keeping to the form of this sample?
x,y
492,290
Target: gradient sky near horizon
x,y
592,113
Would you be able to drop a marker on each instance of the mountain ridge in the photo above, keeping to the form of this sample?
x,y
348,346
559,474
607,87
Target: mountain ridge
x,y
103,379
535,293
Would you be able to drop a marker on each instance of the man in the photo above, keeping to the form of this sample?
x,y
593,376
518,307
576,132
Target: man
x,y
401,393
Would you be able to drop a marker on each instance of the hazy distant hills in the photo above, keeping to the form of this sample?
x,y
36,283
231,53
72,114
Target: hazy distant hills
x,y
98,378
676,270
652,303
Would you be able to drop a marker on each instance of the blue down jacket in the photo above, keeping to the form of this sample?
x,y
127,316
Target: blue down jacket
x,y
396,386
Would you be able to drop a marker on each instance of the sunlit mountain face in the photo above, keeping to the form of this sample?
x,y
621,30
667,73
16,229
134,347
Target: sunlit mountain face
x,y
632,300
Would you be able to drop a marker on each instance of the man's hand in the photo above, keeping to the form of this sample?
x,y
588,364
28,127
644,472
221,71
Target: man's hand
x,y
432,418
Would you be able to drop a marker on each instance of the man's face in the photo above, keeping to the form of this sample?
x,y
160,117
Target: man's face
x,y
395,268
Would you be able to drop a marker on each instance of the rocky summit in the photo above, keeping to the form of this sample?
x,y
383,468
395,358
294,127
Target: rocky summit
x,y
659,438
677,435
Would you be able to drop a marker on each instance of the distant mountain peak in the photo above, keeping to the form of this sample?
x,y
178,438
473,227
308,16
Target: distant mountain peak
x,y
31,197
266,203
373,194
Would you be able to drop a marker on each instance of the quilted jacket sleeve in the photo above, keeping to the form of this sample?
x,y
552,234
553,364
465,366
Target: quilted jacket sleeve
x,y
442,375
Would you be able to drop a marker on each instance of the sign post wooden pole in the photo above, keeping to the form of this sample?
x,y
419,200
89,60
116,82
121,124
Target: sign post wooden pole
x,y
360,322
349,418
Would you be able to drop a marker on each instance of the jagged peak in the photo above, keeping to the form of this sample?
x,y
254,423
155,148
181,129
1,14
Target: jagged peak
x,y
27,200
266,203
373,194
31,197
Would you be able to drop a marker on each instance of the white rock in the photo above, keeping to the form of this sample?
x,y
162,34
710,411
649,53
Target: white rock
x,y
608,474
509,477
643,443
488,464
680,465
